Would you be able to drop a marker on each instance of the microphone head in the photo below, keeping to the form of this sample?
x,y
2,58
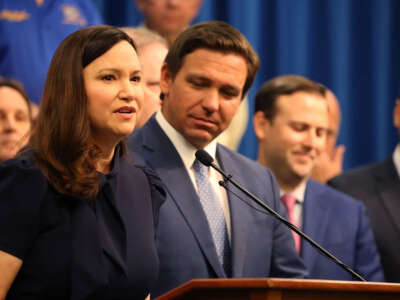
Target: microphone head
x,y
204,157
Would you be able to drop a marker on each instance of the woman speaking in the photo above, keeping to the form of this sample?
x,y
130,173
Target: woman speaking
x,y
77,218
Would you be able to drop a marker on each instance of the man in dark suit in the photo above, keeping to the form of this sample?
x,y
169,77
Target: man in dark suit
x,y
207,71
378,186
290,122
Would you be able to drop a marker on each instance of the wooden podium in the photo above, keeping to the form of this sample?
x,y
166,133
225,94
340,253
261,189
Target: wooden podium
x,y
282,289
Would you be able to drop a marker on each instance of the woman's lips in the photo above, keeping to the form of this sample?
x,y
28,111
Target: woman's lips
x,y
125,112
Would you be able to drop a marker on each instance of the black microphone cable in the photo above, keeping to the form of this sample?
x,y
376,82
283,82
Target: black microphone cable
x,y
207,160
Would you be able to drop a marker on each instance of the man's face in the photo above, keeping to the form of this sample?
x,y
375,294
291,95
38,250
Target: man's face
x,y
169,16
292,141
205,94
151,59
333,122
14,122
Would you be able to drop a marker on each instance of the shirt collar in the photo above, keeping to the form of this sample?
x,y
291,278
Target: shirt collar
x,y
185,149
298,192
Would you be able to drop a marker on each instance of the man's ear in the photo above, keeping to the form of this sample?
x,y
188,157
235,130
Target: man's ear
x,y
261,125
165,79
396,114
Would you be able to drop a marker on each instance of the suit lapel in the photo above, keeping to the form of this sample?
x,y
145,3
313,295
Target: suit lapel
x,y
388,184
161,155
240,215
315,221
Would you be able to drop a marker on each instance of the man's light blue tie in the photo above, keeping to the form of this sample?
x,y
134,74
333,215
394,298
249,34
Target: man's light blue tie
x,y
215,215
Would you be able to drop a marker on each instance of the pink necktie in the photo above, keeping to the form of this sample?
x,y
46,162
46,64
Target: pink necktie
x,y
289,201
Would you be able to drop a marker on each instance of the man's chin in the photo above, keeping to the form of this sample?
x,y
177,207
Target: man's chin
x,y
302,173
200,140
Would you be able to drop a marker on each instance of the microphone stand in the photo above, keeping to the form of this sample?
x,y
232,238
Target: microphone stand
x,y
228,178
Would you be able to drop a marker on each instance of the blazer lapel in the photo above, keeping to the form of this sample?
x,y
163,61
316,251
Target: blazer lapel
x,y
315,221
388,184
161,155
240,215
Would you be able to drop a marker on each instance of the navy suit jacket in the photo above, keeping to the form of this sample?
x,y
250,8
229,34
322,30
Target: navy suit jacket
x,y
378,186
339,224
260,245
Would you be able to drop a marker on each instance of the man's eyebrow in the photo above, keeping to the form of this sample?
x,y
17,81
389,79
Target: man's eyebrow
x,y
233,88
227,87
197,76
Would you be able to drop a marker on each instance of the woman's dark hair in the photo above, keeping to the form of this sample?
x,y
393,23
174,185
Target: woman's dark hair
x,y
61,139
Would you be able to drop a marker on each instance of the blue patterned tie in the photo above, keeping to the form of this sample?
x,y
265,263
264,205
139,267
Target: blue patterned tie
x,y
215,215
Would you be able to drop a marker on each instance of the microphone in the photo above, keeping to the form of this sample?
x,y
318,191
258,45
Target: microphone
x,y
207,160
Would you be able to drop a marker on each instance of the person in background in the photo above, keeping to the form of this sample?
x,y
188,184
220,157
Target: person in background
x,y
168,17
15,118
232,136
152,49
377,185
205,231
30,33
289,142
330,162
77,218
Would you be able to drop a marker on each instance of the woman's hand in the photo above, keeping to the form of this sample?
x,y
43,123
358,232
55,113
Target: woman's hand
x,y
9,267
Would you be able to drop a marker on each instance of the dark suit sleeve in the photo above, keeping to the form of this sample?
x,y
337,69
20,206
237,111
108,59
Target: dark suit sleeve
x,y
367,259
339,183
285,260
354,183
21,191
158,193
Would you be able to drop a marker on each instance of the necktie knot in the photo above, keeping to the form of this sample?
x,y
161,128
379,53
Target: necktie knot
x,y
200,169
289,201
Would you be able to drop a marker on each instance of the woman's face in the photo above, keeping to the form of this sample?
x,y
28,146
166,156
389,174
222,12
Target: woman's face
x,y
114,92
14,122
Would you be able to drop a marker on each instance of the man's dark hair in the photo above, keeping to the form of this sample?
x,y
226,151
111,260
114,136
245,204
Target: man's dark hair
x,y
216,36
271,90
